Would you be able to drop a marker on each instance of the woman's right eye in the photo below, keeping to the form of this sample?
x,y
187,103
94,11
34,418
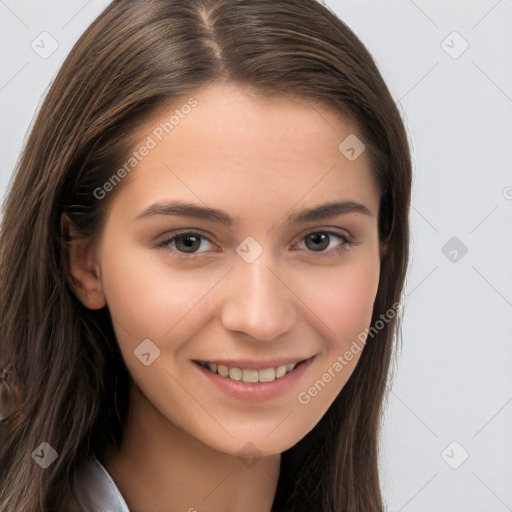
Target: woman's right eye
x,y
186,244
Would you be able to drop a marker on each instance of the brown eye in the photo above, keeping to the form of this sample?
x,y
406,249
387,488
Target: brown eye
x,y
328,243
317,241
187,243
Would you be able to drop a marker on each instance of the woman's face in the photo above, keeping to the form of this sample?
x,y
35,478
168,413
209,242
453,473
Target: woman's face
x,y
229,243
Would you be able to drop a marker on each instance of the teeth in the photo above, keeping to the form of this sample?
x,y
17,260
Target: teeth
x,y
280,371
267,375
250,374
235,374
221,369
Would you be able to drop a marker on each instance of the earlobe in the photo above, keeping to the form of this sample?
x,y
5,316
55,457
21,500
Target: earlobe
x,y
85,271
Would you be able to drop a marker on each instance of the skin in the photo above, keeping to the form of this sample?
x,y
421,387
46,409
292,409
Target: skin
x,y
259,160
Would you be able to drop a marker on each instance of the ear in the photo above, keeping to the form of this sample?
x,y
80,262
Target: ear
x,y
85,271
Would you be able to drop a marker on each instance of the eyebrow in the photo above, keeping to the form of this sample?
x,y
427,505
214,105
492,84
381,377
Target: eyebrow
x,y
320,212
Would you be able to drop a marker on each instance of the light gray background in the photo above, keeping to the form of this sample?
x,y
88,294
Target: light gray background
x,y
453,383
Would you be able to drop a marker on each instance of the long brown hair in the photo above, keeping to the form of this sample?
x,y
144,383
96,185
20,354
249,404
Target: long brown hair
x,y
62,358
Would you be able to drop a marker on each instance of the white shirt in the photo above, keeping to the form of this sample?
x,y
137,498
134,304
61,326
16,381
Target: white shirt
x,y
95,482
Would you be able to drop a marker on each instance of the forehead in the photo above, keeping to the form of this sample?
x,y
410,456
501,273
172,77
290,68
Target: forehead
x,y
228,143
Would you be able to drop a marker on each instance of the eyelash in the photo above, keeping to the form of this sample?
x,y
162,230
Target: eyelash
x,y
347,243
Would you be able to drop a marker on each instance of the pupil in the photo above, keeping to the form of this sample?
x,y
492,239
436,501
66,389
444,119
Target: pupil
x,y
318,238
187,243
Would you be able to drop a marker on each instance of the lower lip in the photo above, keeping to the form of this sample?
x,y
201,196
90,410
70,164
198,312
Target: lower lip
x,y
256,391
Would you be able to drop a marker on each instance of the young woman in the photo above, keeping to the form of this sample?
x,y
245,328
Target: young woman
x,y
202,258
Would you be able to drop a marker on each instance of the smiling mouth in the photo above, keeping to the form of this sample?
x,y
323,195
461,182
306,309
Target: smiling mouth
x,y
250,375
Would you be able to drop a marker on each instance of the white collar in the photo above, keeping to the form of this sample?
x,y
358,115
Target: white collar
x,y
95,482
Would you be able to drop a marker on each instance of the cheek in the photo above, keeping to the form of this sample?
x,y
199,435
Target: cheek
x,y
343,299
147,298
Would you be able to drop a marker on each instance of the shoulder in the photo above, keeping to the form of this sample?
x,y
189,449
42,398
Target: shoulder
x,y
96,490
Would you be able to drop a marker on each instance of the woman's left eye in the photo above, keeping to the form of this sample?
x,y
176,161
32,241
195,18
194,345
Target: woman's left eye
x,y
326,241
187,244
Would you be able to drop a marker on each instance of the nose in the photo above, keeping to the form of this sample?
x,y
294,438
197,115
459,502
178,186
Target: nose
x,y
258,301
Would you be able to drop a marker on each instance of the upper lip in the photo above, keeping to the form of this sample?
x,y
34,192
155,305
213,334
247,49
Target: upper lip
x,y
252,364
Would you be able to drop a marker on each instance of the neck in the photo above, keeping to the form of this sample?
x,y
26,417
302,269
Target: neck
x,y
161,468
